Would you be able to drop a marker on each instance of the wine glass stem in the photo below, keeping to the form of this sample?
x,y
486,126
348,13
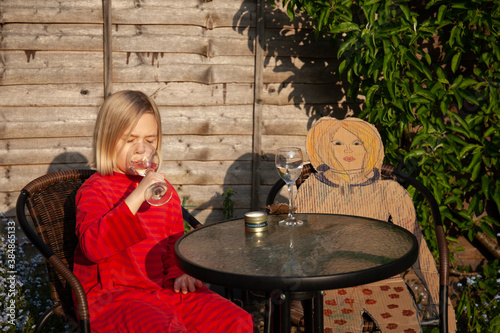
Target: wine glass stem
x,y
290,202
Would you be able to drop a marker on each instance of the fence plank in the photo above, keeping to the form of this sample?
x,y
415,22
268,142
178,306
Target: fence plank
x,y
165,93
175,147
126,38
50,67
41,122
209,14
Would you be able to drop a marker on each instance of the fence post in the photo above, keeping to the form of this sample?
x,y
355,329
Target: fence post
x,y
257,109
107,50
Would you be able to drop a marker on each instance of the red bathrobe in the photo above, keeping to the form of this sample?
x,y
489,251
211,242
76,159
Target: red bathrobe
x,y
126,265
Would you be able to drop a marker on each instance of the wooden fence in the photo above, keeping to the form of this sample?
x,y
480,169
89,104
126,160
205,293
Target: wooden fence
x,y
234,80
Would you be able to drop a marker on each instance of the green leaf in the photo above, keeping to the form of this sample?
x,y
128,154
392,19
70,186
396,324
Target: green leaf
x,y
290,11
398,104
486,185
490,131
472,205
465,94
459,120
453,162
427,72
496,195
346,45
441,74
486,228
370,93
450,199
443,106
344,27
458,80
425,93
455,61
406,11
391,87
476,171
370,2
388,58
413,60
467,82
477,151
451,39
415,100
454,139
415,153
477,157
323,19
342,66
441,13
460,5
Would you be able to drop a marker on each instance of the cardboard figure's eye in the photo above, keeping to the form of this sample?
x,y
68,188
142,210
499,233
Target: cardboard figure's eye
x,y
358,143
337,143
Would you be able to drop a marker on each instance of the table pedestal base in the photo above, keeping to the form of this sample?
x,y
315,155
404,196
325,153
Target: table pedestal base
x,y
277,313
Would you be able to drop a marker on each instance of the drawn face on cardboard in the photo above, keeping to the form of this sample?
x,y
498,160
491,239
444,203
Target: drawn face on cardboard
x,y
349,150
342,149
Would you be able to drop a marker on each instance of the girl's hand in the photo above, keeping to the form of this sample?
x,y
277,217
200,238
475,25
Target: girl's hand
x,y
136,197
148,180
186,283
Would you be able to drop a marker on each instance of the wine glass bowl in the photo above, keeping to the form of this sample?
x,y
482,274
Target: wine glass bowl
x,y
142,158
289,163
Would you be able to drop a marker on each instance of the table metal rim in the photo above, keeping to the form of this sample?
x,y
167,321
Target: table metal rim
x,y
298,283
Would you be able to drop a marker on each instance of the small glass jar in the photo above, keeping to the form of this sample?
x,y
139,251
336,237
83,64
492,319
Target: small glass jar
x,y
256,221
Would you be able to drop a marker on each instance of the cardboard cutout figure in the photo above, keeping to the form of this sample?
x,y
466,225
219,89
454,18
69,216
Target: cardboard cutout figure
x,y
347,155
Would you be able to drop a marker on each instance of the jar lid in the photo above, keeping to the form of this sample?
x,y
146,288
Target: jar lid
x,y
255,217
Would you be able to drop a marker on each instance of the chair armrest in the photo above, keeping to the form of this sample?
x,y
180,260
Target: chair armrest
x,y
76,286
440,237
56,263
193,222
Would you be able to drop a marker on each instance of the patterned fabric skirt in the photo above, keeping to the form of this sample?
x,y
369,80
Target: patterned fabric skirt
x,y
387,302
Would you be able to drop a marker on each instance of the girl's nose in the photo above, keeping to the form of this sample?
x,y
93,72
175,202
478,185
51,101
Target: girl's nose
x,y
140,148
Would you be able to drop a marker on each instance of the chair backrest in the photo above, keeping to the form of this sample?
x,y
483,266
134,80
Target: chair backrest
x,y
50,201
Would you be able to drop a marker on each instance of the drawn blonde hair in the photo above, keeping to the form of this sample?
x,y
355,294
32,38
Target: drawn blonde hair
x,y
120,112
319,142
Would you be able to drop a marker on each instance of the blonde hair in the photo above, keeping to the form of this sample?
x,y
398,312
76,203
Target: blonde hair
x,y
319,137
120,112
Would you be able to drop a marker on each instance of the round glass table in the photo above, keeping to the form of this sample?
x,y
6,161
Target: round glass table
x,y
325,252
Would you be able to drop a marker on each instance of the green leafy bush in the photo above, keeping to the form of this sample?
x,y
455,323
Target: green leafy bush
x,y
228,204
479,306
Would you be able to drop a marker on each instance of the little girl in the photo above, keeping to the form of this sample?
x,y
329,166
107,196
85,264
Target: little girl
x,y
125,256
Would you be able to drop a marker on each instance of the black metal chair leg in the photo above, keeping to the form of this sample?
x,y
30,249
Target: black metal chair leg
x,y
229,293
45,317
272,315
307,305
318,311
286,322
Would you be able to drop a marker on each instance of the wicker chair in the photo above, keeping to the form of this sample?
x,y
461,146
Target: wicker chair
x,y
387,172
50,200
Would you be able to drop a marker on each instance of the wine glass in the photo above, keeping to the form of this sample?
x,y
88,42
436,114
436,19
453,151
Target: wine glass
x,y
142,158
289,163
